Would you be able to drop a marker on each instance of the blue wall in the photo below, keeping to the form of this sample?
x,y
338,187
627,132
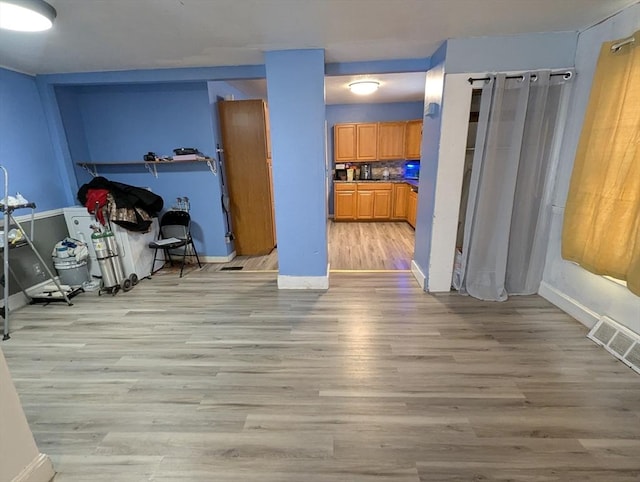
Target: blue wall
x,y
25,145
117,123
295,86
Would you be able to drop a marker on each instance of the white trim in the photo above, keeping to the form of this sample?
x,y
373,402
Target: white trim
x,y
40,215
218,259
286,282
569,305
39,469
456,101
418,275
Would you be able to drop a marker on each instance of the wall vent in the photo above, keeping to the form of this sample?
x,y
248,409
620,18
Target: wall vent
x,y
617,340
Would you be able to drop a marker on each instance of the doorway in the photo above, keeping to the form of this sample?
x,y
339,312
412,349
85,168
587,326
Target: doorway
x,y
372,197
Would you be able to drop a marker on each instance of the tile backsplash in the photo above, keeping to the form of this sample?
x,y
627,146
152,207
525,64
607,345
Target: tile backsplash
x,y
396,168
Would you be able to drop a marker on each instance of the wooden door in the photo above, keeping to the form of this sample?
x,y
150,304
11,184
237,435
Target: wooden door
x,y
345,206
382,205
344,140
365,204
400,193
391,140
267,129
273,203
367,142
243,127
413,139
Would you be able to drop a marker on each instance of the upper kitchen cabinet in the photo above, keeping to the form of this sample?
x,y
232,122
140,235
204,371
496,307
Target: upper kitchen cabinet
x,y
345,142
366,142
413,139
391,142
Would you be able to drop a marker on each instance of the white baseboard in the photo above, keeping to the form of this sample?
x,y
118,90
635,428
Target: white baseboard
x,y
286,282
39,470
218,259
567,304
18,300
418,275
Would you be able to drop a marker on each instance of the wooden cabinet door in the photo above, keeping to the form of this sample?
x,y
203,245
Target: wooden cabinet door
x,y
391,140
382,205
367,140
400,195
344,140
365,204
345,206
412,208
413,139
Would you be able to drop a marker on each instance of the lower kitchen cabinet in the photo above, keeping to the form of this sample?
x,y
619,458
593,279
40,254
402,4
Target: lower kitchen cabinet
x,y
400,197
363,201
412,207
374,204
345,197
382,205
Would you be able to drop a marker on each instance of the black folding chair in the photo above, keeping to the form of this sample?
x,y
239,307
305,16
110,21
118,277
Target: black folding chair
x,y
175,233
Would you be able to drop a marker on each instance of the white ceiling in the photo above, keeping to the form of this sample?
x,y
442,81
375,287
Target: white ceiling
x,y
101,35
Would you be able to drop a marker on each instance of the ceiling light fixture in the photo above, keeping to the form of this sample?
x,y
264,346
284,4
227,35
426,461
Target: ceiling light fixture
x,y
26,15
364,87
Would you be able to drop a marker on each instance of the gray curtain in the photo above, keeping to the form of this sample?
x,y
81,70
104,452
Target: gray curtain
x,y
508,210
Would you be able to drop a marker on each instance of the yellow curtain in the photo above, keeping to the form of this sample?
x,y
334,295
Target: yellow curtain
x,y
601,229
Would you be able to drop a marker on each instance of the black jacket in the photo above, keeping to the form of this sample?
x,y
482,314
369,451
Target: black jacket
x,y
125,197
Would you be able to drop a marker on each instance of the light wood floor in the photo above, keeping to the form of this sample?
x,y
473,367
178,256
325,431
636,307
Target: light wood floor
x,y
221,377
352,246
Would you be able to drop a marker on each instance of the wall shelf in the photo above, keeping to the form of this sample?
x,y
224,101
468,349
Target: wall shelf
x,y
152,167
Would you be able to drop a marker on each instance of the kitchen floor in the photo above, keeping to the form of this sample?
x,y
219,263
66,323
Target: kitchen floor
x,y
358,246
370,246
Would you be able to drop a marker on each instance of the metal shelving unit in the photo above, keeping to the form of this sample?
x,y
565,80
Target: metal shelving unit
x,y
8,220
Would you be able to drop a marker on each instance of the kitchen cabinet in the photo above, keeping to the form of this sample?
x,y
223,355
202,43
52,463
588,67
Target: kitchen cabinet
x,y
412,207
413,139
362,201
400,199
243,125
366,142
345,202
391,140
344,142
365,204
374,201
382,204
377,141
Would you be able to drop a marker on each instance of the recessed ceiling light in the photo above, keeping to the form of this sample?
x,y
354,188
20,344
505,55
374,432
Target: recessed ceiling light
x,y
364,87
26,15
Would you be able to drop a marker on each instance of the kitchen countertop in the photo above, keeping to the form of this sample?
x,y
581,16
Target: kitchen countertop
x,y
411,182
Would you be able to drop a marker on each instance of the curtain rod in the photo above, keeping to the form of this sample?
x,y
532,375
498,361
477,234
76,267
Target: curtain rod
x,y
618,45
566,75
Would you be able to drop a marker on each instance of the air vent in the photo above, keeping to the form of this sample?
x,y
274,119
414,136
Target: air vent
x,y
617,340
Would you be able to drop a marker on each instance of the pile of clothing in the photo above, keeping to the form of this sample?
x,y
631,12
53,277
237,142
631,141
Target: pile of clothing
x,y
128,206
